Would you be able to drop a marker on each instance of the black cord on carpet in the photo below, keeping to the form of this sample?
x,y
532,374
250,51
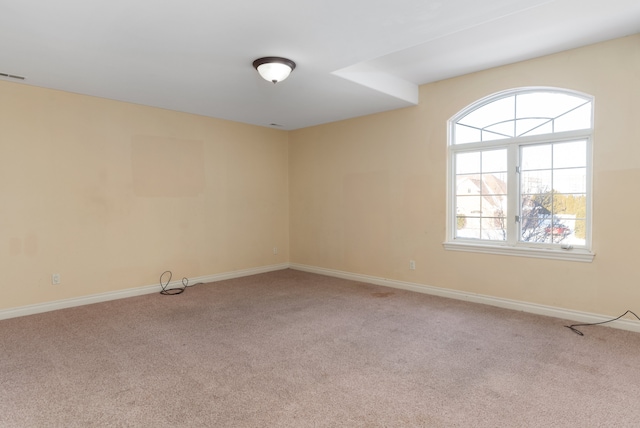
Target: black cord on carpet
x,y
173,291
576,331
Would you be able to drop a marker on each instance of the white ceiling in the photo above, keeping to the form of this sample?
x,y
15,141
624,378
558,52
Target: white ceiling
x,y
354,57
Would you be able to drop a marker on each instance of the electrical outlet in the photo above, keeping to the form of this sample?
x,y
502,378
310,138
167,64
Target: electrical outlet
x,y
55,279
275,250
412,264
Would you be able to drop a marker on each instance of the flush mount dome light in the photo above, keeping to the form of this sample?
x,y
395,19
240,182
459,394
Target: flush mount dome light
x,y
274,69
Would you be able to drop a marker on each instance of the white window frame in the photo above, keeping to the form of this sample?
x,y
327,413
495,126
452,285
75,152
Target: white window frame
x,y
512,246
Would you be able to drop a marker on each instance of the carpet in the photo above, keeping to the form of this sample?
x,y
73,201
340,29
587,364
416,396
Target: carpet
x,y
295,349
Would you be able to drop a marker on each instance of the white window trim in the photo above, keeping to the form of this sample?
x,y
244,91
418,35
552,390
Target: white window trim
x,y
512,247
573,255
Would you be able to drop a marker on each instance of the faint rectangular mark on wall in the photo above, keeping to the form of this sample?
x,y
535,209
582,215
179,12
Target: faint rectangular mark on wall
x,y
367,214
27,246
167,167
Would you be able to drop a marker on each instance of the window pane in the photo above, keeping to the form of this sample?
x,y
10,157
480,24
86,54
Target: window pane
x,y
468,184
530,126
498,205
481,201
536,157
539,205
494,206
465,134
468,205
468,227
579,233
494,228
546,229
467,163
554,218
579,118
492,136
534,182
557,231
546,128
546,104
574,206
497,111
572,180
504,129
494,183
535,229
566,155
494,160
565,228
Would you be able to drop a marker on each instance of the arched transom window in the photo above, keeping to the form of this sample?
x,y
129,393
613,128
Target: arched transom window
x,y
520,174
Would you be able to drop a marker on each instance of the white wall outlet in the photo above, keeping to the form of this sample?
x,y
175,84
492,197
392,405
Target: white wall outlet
x,y
412,264
55,279
275,250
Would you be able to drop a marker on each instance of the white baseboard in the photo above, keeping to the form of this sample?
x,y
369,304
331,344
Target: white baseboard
x,y
566,314
130,292
551,311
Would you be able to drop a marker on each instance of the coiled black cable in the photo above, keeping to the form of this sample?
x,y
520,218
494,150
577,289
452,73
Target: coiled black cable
x,y
576,331
173,291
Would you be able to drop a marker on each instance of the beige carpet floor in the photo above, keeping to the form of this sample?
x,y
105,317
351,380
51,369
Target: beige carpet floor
x,y
293,349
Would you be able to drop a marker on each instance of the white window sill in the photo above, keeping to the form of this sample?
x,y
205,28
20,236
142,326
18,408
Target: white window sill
x,y
574,254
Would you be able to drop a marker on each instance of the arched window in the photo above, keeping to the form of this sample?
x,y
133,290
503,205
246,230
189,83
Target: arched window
x,y
520,174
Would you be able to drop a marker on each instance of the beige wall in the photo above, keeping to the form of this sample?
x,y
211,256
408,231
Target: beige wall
x,y
367,195
110,195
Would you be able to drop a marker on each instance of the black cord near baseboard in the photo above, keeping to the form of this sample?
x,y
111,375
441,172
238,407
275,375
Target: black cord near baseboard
x,y
170,291
173,291
576,331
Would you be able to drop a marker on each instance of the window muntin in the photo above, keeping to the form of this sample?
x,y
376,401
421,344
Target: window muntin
x,y
523,114
520,164
481,194
553,191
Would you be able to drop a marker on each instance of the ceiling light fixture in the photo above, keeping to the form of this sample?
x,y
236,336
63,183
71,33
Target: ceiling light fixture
x,y
274,69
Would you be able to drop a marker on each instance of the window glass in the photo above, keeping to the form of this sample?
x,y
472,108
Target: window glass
x,y
466,134
533,126
551,196
548,203
494,161
524,114
579,118
573,154
536,157
547,105
481,194
497,111
467,162
535,182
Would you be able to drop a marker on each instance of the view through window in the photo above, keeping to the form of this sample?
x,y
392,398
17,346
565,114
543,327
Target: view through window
x,y
520,170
